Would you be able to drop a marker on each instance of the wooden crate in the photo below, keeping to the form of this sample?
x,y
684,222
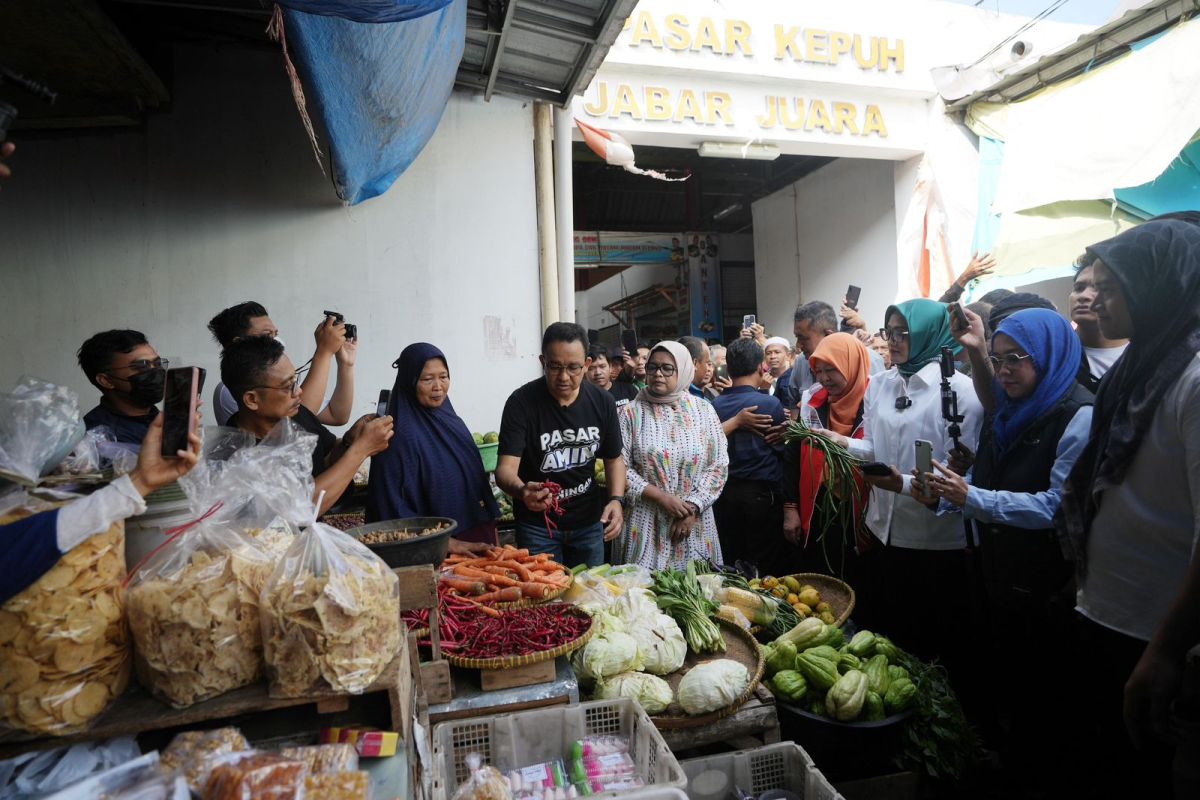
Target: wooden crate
x,y
418,590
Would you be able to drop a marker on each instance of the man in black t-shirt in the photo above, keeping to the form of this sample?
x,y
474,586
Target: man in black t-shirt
x,y
553,430
599,373
263,381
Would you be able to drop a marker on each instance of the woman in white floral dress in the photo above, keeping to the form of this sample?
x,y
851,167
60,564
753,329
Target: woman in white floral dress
x,y
677,459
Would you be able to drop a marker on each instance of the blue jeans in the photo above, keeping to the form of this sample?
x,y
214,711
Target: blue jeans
x,y
569,548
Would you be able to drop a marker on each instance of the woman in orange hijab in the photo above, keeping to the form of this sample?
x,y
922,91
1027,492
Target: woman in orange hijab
x,y
842,368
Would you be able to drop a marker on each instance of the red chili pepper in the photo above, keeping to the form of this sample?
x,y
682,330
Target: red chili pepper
x,y
553,506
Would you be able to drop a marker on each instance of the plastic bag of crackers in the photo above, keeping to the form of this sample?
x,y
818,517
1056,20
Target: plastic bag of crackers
x,y
330,616
64,648
193,604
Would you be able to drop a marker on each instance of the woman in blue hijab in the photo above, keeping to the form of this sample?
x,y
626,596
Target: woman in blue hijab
x,y
432,467
1027,449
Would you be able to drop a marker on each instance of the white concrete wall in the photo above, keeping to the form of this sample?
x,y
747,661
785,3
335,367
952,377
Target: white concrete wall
x,y
832,228
219,200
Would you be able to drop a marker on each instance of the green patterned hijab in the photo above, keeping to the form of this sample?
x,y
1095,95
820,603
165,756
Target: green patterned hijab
x,y
928,332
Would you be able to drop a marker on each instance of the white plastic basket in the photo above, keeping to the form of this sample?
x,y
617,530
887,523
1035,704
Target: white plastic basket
x,y
511,741
774,766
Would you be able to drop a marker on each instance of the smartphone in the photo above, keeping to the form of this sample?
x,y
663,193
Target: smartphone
x,y
747,321
924,462
381,407
723,372
876,469
957,316
629,341
180,400
852,294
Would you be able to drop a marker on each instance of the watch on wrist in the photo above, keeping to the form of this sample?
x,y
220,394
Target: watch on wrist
x,y
619,498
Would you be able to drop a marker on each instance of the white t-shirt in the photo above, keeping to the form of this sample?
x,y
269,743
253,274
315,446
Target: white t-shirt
x,y
1101,359
1144,535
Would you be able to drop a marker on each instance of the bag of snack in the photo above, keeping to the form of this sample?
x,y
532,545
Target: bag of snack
x,y
255,775
193,602
40,424
330,615
193,754
64,648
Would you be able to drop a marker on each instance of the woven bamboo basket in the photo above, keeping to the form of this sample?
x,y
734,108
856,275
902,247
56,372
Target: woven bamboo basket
x,y
748,653
508,662
838,593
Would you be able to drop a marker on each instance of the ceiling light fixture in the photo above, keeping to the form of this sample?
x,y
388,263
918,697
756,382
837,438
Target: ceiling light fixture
x,y
758,152
725,212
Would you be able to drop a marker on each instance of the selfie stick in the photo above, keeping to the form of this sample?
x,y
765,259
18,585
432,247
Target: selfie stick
x,y
950,398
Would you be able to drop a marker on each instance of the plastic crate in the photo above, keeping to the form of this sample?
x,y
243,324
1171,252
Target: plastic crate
x,y
511,741
775,766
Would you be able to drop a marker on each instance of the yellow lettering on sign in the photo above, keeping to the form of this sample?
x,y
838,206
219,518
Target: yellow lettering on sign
x,y
818,117
815,44
843,118
785,116
786,44
891,54
625,103
737,37
840,44
716,105
601,105
865,60
658,103
678,35
771,117
707,37
874,122
645,32
687,107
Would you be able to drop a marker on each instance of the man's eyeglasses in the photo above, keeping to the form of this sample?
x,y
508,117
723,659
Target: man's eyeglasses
x,y
146,364
666,369
1010,360
571,369
896,335
290,388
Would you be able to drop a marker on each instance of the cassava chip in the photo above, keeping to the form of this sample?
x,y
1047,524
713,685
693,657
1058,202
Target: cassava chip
x,y
195,617
64,654
330,616
194,753
338,786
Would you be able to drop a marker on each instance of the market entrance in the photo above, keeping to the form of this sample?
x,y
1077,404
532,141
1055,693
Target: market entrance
x,y
667,259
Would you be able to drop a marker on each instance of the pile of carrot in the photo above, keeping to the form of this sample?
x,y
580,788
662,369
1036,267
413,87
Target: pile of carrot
x,y
505,575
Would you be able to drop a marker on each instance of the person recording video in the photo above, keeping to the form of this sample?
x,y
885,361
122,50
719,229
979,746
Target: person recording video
x,y
333,342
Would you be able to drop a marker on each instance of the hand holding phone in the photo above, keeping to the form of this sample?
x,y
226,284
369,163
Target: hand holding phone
x,y
629,341
852,294
924,452
382,406
748,321
958,320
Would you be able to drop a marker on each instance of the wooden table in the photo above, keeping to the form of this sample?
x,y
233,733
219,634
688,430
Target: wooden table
x,y
754,724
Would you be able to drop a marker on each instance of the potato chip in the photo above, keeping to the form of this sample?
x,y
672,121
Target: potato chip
x,y
195,617
330,616
64,654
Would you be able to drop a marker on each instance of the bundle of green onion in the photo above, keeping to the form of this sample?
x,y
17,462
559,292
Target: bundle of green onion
x,y
835,510
679,594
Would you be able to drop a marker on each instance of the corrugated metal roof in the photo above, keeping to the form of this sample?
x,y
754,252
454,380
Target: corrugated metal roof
x,y
538,49
1103,44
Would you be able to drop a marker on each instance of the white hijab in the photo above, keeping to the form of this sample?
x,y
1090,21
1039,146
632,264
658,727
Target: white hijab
x,y
685,369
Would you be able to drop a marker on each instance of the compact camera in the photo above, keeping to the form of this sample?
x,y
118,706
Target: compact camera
x,y
351,330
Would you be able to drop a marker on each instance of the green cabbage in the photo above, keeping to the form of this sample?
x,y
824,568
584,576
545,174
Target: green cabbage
x,y
607,655
651,692
660,643
712,685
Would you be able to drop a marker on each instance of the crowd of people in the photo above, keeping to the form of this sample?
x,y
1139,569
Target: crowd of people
x,y
1058,511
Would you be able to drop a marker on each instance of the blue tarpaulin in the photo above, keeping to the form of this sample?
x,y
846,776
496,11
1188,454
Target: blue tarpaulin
x,y
379,89
366,10
1177,189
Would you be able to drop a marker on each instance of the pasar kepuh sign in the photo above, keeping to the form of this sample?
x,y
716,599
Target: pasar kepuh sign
x,y
817,78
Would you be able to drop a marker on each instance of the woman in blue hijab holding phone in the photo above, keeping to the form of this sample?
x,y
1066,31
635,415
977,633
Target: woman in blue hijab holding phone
x,y
432,466
1028,446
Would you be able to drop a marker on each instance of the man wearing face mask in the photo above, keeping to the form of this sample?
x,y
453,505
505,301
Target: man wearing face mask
x,y
130,377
